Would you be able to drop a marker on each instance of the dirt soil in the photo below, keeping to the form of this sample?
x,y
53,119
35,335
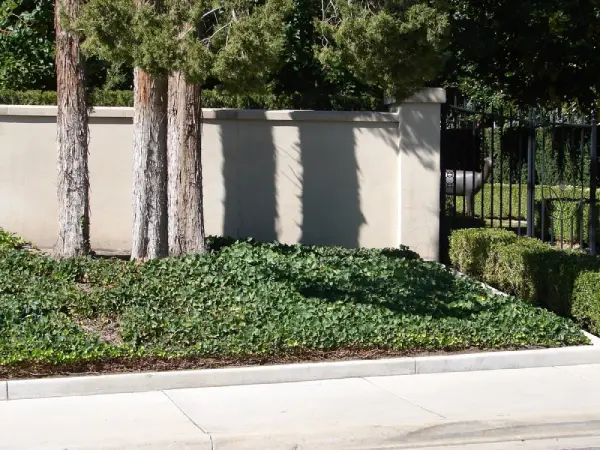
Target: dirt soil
x,y
28,370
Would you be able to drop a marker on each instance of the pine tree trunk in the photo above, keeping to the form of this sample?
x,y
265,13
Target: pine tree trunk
x,y
150,230
72,139
186,220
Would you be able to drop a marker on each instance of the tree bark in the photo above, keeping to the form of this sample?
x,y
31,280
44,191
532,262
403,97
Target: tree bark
x,y
72,138
186,216
150,230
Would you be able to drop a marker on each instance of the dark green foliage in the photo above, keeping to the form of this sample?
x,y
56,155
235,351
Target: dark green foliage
x,y
586,301
10,241
97,98
369,49
470,248
533,271
26,44
210,99
397,46
528,51
250,298
8,97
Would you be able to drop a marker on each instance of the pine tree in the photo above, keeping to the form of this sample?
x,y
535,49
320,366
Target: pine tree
x,y
236,42
72,137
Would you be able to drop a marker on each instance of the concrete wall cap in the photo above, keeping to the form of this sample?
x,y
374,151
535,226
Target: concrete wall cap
x,y
219,114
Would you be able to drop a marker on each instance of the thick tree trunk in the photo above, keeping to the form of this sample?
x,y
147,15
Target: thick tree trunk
x,y
72,138
186,220
150,230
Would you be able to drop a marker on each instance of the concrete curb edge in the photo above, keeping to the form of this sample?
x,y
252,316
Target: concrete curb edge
x,y
157,381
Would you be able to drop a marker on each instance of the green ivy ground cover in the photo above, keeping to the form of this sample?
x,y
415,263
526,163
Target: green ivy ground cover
x,y
249,299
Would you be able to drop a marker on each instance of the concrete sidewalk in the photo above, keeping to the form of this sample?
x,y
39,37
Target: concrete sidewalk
x,y
543,408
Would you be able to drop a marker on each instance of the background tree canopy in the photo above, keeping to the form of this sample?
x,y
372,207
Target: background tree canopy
x,y
528,51
27,44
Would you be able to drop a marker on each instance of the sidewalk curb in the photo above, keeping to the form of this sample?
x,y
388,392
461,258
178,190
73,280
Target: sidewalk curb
x,y
289,373
157,381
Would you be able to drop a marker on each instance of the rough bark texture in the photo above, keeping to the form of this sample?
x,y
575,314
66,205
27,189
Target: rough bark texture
x,y
150,230
186,220
72,138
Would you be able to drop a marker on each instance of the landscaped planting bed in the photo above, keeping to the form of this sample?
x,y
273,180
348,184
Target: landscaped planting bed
x,y
249,303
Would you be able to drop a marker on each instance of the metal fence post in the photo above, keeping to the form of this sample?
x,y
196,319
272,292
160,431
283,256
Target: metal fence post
x,y
593,177
531,143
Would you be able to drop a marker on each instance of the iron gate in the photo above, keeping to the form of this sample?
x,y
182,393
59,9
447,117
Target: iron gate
x,y
533,172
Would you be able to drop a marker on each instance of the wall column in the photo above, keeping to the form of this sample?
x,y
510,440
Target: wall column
x,y
419,172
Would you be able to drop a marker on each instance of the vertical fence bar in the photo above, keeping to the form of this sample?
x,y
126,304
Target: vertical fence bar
x,y
511,157
581,226
501,194
542,187
531,177
482,192
593,176
456,123
464,161
520,189
475,165
581,205
573,176
561,171
492,178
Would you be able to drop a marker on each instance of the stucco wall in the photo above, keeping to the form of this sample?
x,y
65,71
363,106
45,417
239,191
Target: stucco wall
x,y
334,178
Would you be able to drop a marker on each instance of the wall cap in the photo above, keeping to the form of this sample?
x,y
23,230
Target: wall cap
x,y
433,95
218,114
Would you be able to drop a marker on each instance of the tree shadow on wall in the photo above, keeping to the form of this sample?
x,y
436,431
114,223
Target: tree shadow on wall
x,y
331,178
249,168
320,167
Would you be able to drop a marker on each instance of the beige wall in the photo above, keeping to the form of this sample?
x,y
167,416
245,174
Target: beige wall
x,y
336,178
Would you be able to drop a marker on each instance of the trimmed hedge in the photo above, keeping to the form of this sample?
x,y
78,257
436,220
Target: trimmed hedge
x,y
586,301
532,271
252,299
210,99
470,249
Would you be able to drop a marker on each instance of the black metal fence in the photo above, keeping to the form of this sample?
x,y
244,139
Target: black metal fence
x,y
535,173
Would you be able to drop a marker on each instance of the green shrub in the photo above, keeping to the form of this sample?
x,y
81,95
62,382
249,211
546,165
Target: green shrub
x,y
10,240
210,99
586,301
507,267
526,268
250,298
469,248
111,98
27,98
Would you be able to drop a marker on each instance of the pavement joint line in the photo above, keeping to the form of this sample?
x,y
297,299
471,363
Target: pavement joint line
x,y
404,398
577,375
212,442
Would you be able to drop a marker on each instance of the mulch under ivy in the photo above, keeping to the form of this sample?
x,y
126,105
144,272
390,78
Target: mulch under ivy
x,y
272,303
28,370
